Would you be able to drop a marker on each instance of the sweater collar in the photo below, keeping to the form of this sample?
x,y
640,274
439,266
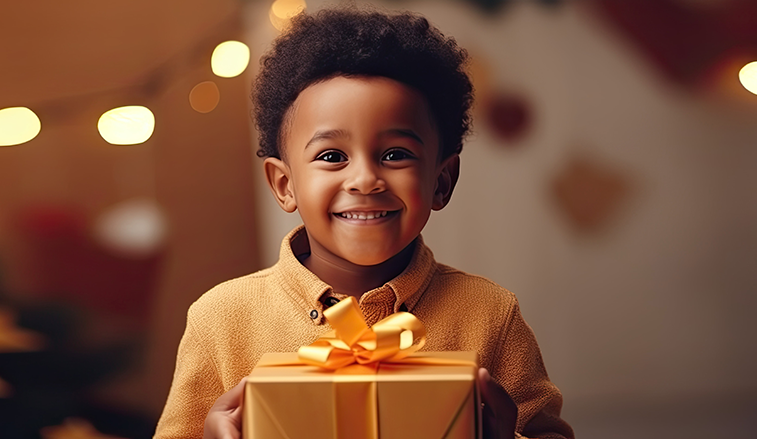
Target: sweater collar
x,y
308,291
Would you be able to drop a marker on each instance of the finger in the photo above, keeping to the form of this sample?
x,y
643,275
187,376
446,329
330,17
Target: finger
x,y
228,432
499,408
492,393
483,384
233,398
491,428
488,418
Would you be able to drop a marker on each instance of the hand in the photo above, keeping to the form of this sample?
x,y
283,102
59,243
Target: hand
x,y
499,412
224,420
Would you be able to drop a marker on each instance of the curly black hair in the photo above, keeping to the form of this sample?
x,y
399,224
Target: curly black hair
x,y
354,42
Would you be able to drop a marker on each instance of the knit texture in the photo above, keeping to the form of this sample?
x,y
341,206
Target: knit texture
x,y
281,308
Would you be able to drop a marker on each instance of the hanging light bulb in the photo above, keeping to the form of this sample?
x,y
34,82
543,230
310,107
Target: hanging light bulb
x,y
230,58
204,97
282,11
18,125
748,77
126,125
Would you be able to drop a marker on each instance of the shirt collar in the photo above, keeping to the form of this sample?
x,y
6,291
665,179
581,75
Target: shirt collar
x,y
307,290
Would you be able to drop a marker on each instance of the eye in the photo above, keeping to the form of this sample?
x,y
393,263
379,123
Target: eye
x,y
396,154
331,157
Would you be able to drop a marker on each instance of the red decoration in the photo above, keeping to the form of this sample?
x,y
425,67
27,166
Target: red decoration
x,y
685,39
68,265
508,116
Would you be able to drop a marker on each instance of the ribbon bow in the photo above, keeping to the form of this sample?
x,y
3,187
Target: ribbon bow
x,y
352,341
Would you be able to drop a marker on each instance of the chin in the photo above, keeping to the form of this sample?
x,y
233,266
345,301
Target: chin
x,y
367,260
368,256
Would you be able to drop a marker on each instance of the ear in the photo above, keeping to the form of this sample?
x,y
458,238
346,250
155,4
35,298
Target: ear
x,y
446,181
278,176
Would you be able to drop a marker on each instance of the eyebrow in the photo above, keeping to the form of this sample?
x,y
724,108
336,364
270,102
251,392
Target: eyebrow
x,y
326,135
343,134
404,133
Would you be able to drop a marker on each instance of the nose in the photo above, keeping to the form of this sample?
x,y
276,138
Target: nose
x,y
365,179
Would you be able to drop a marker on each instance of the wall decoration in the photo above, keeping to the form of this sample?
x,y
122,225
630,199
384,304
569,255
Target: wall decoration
x,y
508,116
110,265
685,39
588,193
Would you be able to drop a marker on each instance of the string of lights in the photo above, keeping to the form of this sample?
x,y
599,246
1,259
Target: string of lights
x,y
134,124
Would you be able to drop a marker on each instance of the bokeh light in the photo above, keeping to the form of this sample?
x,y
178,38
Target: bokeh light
x,y
135,228
748,77
128,125
18,125
283,10
230,58
204,97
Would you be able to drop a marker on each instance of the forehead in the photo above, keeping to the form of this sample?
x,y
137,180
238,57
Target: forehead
x,y
360,106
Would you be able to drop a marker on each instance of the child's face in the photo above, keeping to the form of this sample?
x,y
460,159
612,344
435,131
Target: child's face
x,y
361,166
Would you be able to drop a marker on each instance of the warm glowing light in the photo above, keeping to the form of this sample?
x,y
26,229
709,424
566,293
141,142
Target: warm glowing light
x,y
126,125
204,97
287,8
137,228
18,125
283,10
230,58
748,77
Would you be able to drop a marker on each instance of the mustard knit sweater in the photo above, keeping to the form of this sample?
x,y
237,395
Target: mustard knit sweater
x,y
281,308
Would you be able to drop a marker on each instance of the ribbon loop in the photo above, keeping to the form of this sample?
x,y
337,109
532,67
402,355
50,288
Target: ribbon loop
x,y
352,341
347,321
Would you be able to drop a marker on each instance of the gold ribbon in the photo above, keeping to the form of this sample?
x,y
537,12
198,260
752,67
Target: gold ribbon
x,y
352,341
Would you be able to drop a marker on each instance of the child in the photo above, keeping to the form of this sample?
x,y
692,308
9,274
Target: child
x,y
361,118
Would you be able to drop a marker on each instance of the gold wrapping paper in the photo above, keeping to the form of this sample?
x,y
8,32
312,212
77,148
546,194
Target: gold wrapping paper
x,y
428,395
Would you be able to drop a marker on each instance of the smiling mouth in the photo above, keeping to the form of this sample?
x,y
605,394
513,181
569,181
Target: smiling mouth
x,y
365,215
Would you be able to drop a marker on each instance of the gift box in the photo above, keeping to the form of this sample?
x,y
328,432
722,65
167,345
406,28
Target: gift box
x,y
427,395
360,382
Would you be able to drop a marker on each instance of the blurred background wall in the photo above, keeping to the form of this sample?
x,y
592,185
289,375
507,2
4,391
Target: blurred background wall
x,y
609,183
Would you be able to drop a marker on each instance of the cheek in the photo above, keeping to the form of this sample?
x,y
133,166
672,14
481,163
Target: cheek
x,y
307,203
315,200
417,199
423,195
417,189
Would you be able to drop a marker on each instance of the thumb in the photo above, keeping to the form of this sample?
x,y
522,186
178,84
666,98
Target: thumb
x,y
233,398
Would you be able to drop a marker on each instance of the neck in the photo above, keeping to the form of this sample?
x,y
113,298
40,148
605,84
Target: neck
x,y
351,279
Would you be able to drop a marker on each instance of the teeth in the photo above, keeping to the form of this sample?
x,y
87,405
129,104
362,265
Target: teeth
x,y
363,215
